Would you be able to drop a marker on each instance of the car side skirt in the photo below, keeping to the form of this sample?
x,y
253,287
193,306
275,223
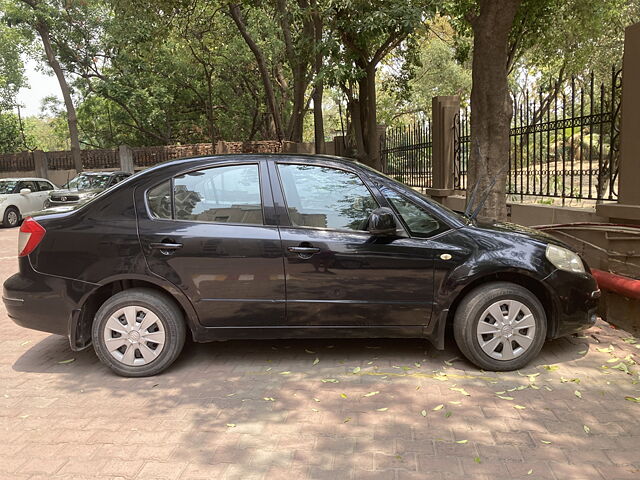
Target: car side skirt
x,y
211,334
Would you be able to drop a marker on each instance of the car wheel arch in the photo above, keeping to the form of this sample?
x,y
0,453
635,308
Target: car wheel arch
x,y
80,324
522,279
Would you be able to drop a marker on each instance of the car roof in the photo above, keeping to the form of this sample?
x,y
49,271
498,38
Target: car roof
x,y
22,179
254,156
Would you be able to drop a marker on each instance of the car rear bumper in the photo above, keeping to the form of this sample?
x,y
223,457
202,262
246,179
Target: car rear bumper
x,y
42,302
576,299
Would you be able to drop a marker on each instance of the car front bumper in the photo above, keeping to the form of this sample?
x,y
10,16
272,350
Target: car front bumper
x,y
575,301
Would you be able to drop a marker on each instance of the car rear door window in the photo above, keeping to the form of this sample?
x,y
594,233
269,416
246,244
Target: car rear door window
x,y
227,194
45,186
325,197
159,200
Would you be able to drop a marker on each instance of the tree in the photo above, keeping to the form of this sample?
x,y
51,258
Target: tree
x,y
365,33
11,67
41,17
491,107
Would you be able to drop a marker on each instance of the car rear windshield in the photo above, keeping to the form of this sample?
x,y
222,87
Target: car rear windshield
x,y
86,182
7,186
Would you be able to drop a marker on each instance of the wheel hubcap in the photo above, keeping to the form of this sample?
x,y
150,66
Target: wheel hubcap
x,y
12,217
506,329
134,336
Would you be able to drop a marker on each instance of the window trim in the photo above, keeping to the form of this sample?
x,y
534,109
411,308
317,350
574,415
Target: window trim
x,y
197,169
320,165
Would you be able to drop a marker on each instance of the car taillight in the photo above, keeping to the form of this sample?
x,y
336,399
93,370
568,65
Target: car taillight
x,y
31,234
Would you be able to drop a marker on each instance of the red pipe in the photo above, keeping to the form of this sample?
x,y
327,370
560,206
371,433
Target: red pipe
x,y
625,286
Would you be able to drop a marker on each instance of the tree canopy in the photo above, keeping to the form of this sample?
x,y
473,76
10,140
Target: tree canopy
x,y
181,71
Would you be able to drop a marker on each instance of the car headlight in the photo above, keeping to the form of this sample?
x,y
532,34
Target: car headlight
x,y
564,259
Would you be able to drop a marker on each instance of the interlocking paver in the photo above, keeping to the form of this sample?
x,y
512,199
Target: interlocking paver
x,y
78,421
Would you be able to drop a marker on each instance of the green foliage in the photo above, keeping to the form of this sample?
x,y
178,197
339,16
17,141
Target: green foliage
x,y
11,67
177,71
10,140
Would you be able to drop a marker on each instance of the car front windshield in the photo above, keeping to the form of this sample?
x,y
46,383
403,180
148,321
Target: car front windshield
x,y
86,182
7,186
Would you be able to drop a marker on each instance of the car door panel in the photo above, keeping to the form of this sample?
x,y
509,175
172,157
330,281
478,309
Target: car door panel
x,y
232,272
344,276
26,202
356,279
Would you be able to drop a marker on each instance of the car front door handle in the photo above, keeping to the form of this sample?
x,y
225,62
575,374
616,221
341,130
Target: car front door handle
x,y
306,250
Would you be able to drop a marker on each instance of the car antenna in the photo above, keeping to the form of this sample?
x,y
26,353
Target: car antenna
x,y
485,194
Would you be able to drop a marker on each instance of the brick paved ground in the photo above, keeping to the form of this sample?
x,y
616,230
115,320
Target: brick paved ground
x,y
263,410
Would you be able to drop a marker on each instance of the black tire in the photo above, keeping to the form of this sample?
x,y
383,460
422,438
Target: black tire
x,y
10,221
472,308
172,323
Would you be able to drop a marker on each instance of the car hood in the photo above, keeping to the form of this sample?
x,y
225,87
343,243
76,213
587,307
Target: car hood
x,y
520,231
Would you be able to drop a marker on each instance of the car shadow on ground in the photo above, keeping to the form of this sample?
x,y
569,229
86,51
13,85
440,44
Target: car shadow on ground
x,y
230,401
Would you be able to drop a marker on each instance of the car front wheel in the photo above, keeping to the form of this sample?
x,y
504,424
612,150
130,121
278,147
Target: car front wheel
x,y
138,332
500,326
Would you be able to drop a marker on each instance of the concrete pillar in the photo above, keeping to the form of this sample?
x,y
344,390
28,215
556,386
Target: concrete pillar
x,y
628,206
126,158
40,163
443,112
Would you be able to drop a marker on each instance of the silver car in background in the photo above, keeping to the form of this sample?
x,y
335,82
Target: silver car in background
x,y
84,187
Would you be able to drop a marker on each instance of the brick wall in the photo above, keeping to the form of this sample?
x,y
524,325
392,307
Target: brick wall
x,y
142,156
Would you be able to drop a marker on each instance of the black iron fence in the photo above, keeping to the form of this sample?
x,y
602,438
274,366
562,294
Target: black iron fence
x,y
564,141
406,154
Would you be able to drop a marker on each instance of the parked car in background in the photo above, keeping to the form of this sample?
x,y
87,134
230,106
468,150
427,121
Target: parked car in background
x,y
20,197
282,246
83,187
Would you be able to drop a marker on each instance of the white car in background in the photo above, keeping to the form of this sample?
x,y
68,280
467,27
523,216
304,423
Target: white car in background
x,y
20,197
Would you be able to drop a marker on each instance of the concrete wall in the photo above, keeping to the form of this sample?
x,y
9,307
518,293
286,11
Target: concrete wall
x,y
530,214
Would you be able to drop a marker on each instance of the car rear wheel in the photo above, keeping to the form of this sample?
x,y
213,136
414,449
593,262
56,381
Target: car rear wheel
x,y
500,326
138,332
11,217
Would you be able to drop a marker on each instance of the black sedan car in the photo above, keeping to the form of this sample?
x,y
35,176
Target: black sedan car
x,y
281,246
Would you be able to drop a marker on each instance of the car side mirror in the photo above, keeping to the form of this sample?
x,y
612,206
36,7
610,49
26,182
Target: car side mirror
x,y
24,191
381,222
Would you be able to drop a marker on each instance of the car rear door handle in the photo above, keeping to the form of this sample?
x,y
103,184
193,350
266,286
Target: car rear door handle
x,y
165,247
303,249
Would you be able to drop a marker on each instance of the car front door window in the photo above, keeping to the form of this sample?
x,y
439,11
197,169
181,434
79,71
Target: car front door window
x,y
325,197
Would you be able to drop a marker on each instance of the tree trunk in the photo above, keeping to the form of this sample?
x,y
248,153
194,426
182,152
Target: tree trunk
x,y
318,92
296,121
371,120
318,119
366,124
272,104
491,104
72,119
